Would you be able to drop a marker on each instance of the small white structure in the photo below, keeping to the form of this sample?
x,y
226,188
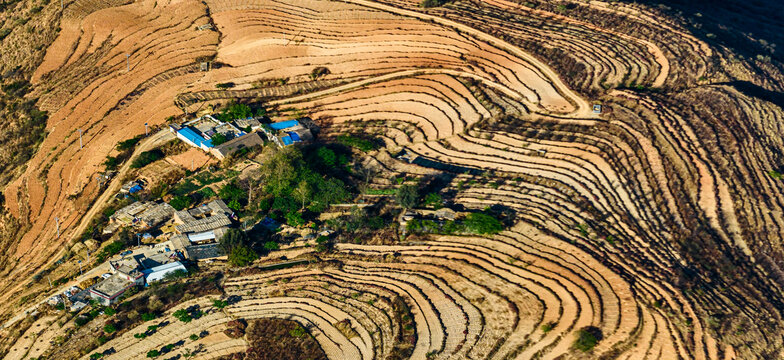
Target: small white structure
x,y
159,272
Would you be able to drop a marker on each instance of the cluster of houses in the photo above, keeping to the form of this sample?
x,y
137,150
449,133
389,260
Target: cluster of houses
x,y
204,131
136,270
193,233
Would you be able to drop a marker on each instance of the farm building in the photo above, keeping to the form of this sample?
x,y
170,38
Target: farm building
x,y
286,133
250,123
158,273
141,215
200,228
132,187
245,141
108,291
190,137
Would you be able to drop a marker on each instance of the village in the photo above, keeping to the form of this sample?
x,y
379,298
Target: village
x,y
166,238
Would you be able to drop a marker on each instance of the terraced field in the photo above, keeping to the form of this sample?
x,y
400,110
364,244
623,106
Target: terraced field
x,y
658,221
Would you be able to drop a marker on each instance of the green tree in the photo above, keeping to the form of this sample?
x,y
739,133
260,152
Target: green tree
x,y
302,192
234,205
153,354
281,169
232,239
242,255
180,202
218,304
294,219
218,139
109,328
271,245
483,224
232,191
182,315
327,157
407,196
587,338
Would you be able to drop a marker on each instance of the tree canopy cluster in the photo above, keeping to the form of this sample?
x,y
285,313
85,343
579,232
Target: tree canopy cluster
x,y
294,184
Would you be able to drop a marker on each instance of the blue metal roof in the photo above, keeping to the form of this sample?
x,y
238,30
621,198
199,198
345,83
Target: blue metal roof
x,y
286,140
283,124
194,137
294,136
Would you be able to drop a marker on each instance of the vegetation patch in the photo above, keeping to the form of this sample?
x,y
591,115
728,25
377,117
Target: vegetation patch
x,y
277,339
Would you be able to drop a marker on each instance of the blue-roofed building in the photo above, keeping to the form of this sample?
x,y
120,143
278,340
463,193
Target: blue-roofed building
x,y
194,139
286,133
284,125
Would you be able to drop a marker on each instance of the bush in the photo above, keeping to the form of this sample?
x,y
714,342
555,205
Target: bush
x,y
109,328
355,142
483,224
180,202
182,315
220,304
587,338
432,3
153,354
96,356
242,255
194,337
434,200
218,139
129,144
271,245
81,320
407,196
109,311
148,316
226,85
146,158
546,328
318,72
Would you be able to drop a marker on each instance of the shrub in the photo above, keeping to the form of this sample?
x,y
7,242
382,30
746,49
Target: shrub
x,y
298,332
355,142
182,315
587,338
109,311
96,356
318,72
129,143
146,158
548,327
148,316
483,224
434,200
193,337
242,255
432,3
226,85
407,196
140,335
180,202
153,354
271,245
81,320
218,139
109,328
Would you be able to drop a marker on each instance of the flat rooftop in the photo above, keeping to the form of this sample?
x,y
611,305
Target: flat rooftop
x,y
112,285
